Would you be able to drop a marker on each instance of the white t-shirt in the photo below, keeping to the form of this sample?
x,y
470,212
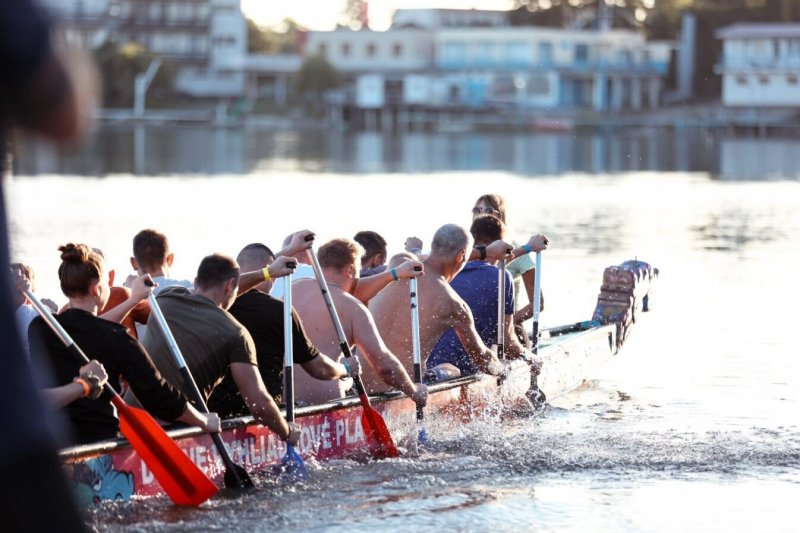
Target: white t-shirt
x,y
24,315
302,271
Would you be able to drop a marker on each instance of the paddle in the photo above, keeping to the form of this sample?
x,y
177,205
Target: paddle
x,y
236,477
181,479
292,463
379,440
534,393
423,435
501,309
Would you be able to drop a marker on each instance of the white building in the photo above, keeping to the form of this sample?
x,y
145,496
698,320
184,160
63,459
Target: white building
x,y
537,67
481,67
205,39
443,18
760,65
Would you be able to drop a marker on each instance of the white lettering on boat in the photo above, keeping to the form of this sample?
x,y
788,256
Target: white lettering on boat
x,y
147,475
325,433
339,432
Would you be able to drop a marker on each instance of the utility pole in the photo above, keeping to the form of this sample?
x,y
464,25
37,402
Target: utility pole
x,y
140,85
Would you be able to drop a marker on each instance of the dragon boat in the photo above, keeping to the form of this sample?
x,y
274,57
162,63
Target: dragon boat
x,y
112,470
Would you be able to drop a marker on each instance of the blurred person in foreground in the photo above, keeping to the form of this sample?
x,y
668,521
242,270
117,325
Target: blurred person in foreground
x,y
38,93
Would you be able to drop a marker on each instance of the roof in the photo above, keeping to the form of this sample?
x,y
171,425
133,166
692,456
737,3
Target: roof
x,y
764,30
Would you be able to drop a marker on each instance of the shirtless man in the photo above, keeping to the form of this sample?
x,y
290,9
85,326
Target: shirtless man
x,y
338,259
440,307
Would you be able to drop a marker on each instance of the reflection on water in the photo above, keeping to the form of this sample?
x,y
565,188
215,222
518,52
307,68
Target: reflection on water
x,y
159,150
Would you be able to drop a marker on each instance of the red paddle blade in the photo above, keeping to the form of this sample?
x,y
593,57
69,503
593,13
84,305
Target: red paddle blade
x,y
181,479
379,440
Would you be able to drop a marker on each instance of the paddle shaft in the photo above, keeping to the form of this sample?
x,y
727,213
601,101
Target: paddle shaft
x,y
193,390
143,431
337,324
501,309
415,342
288,350
537,300
377,434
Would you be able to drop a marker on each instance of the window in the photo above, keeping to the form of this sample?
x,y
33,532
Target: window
x,y
517,52
484,52
397,50
454,51
545,53
791,79
155,11
581,53
741,79
371,49
538,86
345,49
763,79
322,50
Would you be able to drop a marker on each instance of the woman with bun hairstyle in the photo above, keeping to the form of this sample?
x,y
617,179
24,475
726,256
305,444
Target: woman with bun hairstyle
x,y
84,281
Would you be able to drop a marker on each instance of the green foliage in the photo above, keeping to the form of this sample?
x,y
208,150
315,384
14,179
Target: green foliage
x,y
267,41
119,64
316,75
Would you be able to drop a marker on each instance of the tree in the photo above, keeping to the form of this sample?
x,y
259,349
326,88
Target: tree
x,y
316,75
355,14
268,41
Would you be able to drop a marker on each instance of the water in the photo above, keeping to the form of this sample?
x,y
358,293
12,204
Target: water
x,y
693,428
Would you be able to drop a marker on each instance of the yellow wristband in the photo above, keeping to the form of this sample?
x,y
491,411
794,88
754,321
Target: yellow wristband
x,y
86,388
265,271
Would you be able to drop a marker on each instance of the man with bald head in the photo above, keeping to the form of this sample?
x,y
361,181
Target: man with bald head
x,y
262,315
440,307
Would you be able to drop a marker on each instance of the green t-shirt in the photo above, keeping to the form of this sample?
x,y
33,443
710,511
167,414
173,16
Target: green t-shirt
x,y
209,338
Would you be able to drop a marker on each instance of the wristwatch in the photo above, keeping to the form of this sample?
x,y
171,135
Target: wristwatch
x,y
482,249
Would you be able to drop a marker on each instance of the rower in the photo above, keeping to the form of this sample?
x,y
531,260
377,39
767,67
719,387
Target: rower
x,y
262,315
338,260
212,341
84,281
440,307
477,285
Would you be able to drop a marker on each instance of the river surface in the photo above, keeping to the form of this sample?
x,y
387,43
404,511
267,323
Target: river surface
x,y
693,427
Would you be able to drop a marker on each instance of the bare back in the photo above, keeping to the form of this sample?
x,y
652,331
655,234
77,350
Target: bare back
x,y
439,309
307,300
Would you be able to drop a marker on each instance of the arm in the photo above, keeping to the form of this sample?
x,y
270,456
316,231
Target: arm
x,y
366,288
208,421
89,383
482,356
385,363
494,252
276,269
514,349
139,290
258,400
325,368
58,397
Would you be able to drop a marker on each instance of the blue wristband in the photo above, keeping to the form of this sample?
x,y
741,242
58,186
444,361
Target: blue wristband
x,y
349,370
393,272
527,248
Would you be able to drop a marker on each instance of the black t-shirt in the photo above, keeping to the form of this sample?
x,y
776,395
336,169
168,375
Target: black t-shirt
x,y
262,315
121,355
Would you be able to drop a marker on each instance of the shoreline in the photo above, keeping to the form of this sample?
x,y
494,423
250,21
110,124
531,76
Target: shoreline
x,y
711,116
